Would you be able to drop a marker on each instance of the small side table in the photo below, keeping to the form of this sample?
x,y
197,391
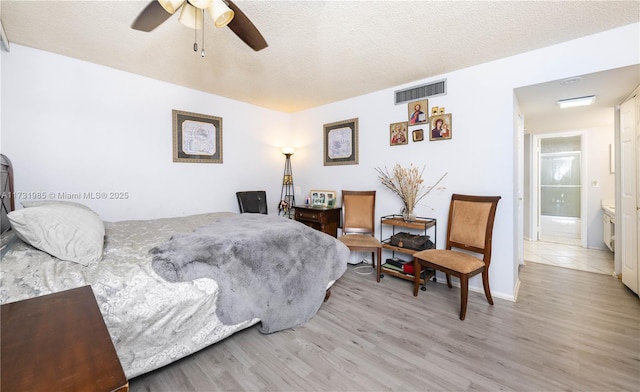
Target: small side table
x,y
58,342
326,220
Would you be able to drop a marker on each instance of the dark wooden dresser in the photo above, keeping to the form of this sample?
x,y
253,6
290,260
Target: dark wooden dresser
x,y
326,220
58,342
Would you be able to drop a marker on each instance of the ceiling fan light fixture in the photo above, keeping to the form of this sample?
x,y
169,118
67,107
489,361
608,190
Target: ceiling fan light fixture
x,y
171,6
220,13
202,4
190,18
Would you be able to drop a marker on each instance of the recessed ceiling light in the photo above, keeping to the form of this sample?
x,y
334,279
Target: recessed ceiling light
x,y
574,102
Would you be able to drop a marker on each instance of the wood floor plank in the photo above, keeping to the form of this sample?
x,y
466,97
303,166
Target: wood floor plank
x,y
569,330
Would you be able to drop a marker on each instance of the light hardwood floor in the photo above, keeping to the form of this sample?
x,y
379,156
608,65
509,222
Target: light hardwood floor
x,y
569,330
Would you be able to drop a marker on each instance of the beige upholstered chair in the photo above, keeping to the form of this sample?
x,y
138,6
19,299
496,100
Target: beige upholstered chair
x,y
358,225
470,228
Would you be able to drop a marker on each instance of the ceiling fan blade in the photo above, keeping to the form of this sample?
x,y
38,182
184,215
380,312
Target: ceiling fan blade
x,y
244,29
152,16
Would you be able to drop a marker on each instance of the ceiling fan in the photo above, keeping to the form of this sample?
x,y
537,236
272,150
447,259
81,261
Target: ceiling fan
x,y
223,13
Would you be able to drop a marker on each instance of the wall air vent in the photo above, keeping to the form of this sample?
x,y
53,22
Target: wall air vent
x,y
429,90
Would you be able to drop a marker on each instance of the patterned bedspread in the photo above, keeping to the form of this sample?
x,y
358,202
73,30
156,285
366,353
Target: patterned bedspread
x,y
152,322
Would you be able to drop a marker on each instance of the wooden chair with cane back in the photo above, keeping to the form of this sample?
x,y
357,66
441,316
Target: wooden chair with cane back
x,y
470,229
358,225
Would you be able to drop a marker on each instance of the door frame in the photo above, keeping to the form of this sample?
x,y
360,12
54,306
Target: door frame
x,y
520,189
535,182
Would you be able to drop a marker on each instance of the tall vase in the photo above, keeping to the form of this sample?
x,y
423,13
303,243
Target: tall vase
x,y
408,214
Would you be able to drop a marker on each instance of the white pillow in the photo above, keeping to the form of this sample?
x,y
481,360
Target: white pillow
x,y
38,203
67,232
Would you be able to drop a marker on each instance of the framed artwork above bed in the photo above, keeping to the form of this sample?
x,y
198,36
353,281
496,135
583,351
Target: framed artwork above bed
x,y
197,137
340,143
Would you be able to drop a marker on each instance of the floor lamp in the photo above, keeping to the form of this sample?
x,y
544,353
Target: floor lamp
x,y
287,197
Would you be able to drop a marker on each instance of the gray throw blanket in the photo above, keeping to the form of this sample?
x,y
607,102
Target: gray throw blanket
x,y
267,267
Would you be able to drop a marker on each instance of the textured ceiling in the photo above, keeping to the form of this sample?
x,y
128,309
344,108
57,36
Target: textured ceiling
x,y
319,51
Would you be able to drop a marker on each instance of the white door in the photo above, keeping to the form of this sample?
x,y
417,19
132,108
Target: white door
x,y
627,234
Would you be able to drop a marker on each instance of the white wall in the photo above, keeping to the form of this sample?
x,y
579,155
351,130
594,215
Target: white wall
x,y
480,157
70,125
601,182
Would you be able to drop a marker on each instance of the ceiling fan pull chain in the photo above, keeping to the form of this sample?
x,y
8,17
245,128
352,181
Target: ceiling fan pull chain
x,y
202,54
195,32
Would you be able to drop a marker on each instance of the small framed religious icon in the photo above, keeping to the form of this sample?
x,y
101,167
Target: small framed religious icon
x,y
418,135
440,127
398,133
417,111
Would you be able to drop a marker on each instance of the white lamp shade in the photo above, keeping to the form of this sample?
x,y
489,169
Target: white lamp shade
x,y
171,6
202,4
220,13
288,150
191,17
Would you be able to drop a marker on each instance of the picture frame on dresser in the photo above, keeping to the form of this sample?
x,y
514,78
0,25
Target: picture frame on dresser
x,y
322,199
197,138
340,143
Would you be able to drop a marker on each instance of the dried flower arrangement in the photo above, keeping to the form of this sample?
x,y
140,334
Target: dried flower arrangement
x,y
408,184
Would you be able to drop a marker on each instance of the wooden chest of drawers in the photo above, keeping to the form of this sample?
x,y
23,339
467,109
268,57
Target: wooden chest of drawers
x,y
326,220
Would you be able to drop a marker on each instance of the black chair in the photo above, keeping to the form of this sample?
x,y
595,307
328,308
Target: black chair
x,y
6,181
252,202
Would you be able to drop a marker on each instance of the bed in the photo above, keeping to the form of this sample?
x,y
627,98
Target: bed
x,y
160,297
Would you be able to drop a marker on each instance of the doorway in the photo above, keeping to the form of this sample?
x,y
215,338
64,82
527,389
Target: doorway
x,y
557,234
558,180
537,104
559,188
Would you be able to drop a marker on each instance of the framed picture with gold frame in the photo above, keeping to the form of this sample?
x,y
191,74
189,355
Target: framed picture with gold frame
x,y
441,127
398,133
340,143
418,135
418,112
197,137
